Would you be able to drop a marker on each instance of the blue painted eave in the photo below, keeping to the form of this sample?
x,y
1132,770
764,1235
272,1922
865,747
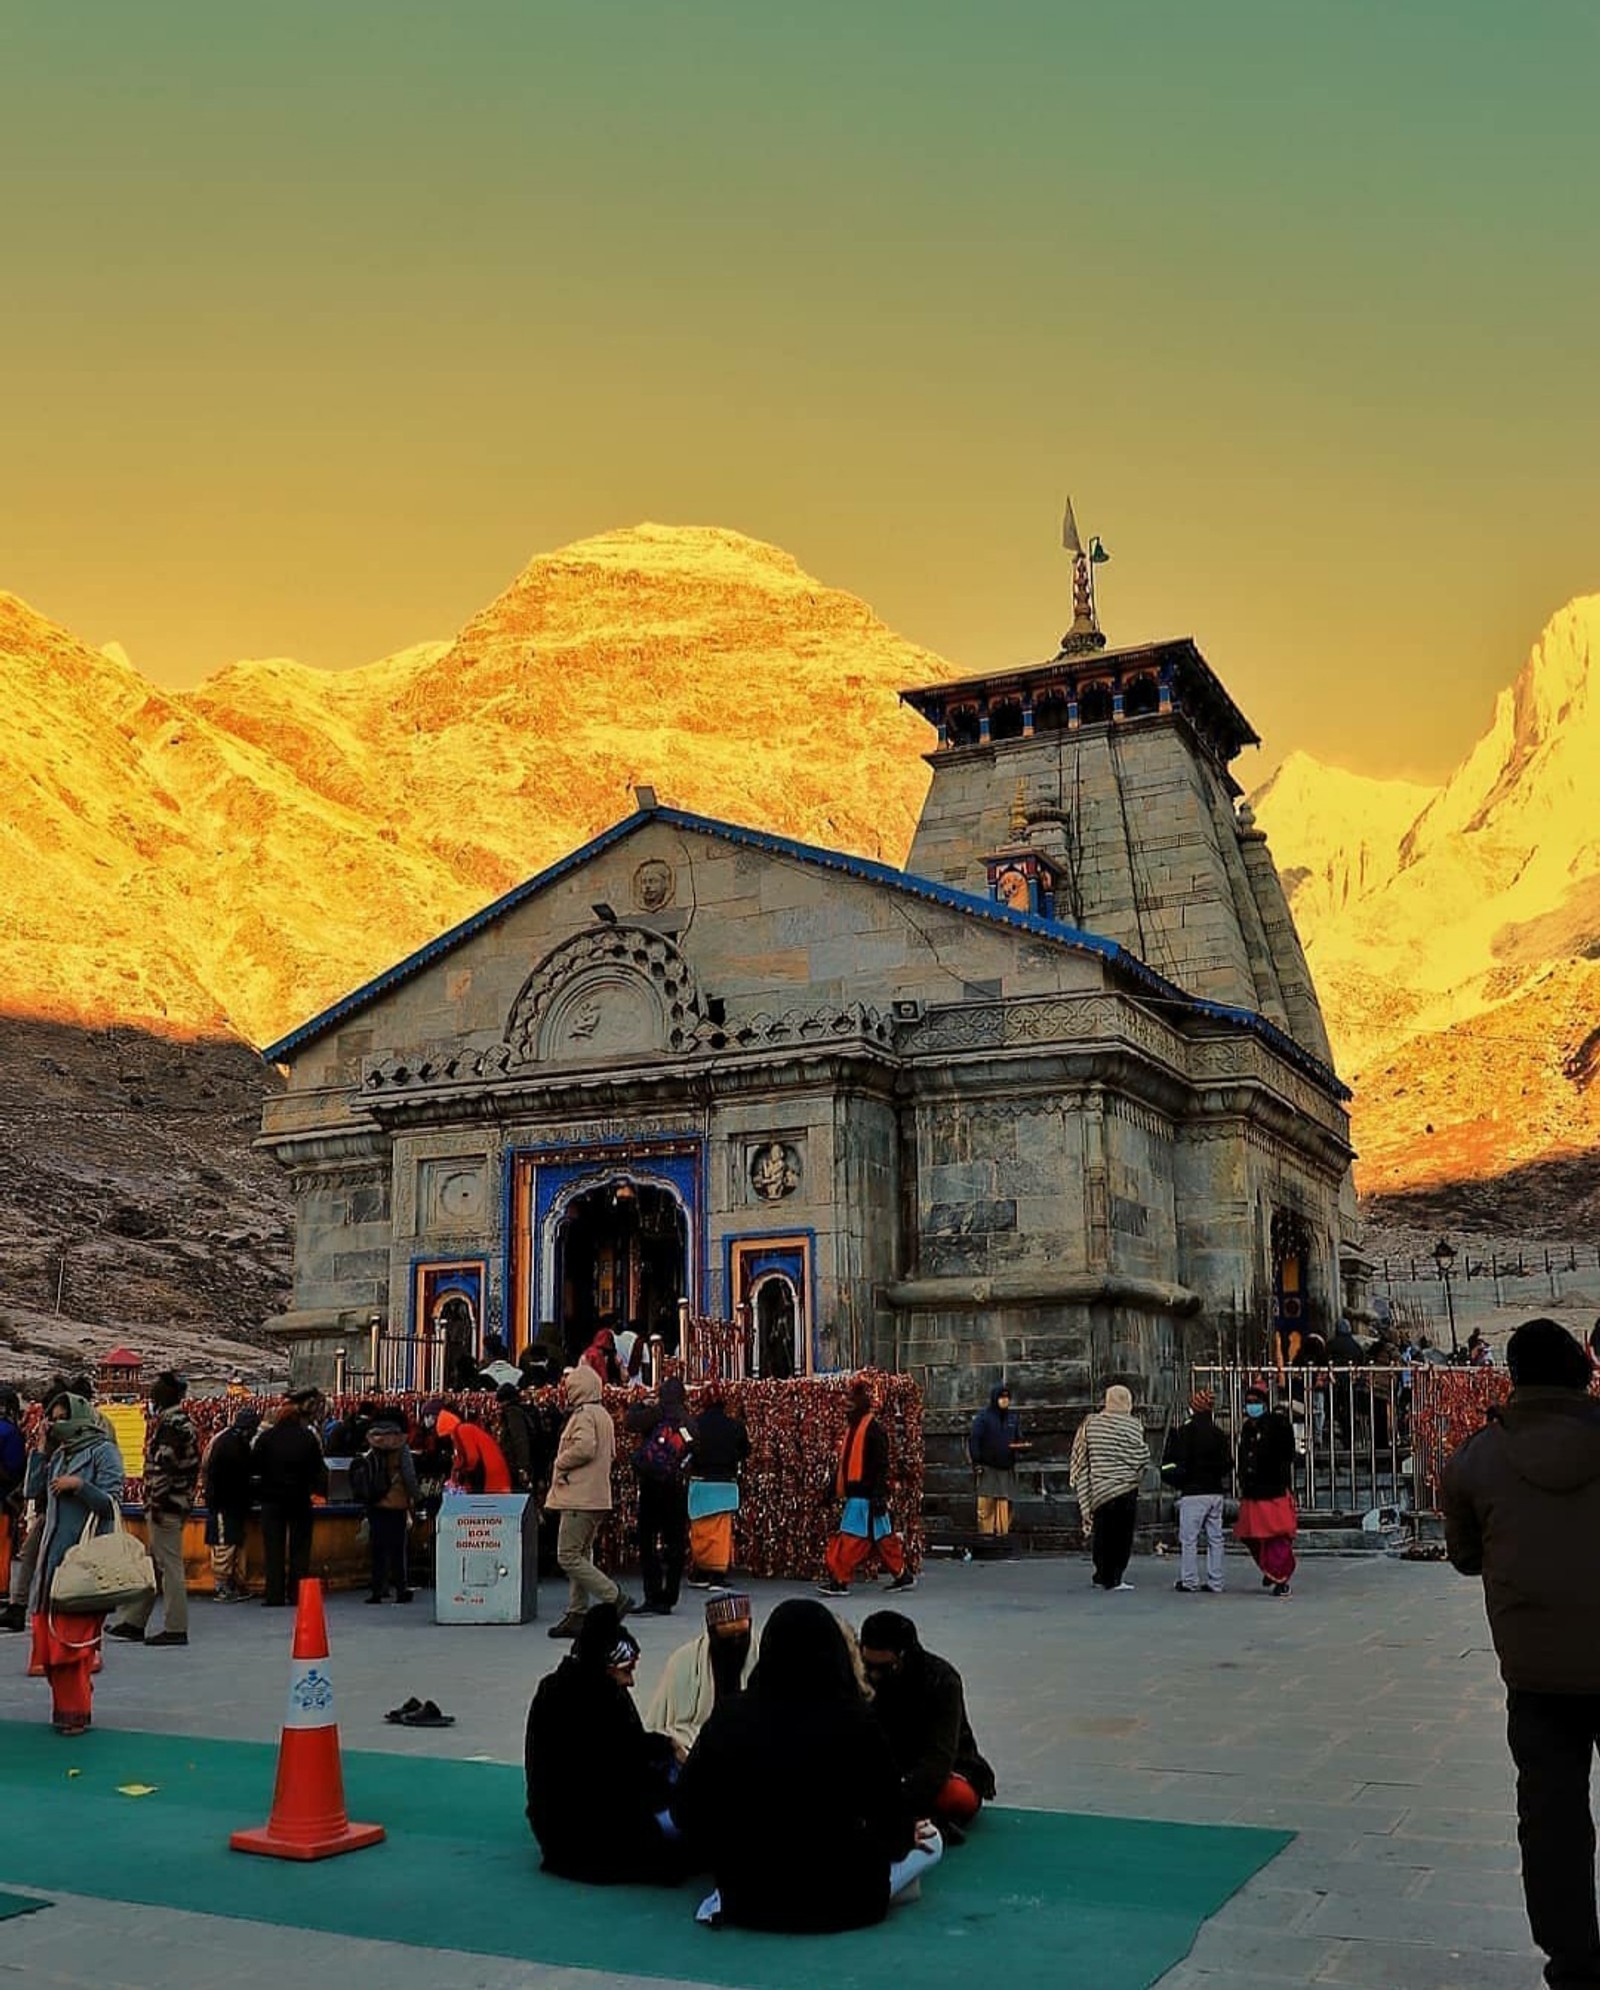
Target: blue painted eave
x,y
866,869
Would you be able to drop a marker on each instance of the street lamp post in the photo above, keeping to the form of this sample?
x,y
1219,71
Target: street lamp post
x,y
1444,1256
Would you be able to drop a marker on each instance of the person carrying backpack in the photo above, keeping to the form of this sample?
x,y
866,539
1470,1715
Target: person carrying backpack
x,y
661,1465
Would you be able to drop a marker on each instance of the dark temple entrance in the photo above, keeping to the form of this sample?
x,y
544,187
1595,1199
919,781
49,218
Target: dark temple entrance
x,y
622,1260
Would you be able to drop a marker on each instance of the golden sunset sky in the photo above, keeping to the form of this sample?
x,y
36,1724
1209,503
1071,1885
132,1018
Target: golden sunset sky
x,y
321,318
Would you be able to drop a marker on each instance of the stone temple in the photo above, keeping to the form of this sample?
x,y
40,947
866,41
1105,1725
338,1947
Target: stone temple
x,y
1054,1101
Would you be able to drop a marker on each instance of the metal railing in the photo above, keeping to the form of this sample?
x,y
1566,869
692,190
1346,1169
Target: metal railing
x,y
1352,1429
406,1365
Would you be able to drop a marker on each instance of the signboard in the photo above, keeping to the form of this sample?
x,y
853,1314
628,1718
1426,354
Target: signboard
x,y
486,1559
127,1421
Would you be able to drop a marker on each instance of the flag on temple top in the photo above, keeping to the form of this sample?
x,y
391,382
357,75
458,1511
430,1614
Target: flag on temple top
x,y
1097,552
1069,531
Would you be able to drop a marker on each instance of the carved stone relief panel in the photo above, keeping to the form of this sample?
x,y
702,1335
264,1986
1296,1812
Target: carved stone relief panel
x,y
605,993
772,1169
453,1194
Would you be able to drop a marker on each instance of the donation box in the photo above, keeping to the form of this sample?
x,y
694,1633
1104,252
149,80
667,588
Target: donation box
x,y
486,1559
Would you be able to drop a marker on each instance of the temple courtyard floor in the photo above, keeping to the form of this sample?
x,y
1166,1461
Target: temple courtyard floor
x,y
1363,1714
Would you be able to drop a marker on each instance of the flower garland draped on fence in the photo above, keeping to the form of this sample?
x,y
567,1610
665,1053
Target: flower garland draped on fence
x,y
1448,1405
788,1507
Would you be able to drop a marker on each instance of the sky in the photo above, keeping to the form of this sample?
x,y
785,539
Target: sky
x,y
320,320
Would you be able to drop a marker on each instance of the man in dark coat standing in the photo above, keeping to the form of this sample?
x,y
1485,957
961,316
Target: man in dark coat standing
x,y
1199,1465
1522,1509
291,1471
229,1486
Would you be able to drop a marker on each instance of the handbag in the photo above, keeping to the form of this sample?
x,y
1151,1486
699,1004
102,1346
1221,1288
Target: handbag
x,y
102,1572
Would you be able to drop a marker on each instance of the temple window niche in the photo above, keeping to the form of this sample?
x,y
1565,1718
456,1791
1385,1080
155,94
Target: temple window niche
x,y
1095,704
1005,719
1141,695
962,725
1050,711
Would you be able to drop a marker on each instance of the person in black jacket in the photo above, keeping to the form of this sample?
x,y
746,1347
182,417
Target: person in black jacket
x,y
992,1446
1199,1465
1522,1510
721,1445
228,1490
661,1465
919,1702
1268,1520
291,1472
793,1795
598,1784
527,1447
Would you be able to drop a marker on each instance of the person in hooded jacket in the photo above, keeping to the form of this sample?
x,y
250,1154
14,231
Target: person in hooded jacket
x,y
77,1474
793,1795
992,1445
580,1491
1522,1510
597,1782
662,1469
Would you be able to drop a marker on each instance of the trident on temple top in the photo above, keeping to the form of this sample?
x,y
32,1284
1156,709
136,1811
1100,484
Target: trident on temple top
x,y
1085,634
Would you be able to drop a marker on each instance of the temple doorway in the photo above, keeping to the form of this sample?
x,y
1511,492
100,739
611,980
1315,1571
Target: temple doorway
x,y
778,1355
622,1260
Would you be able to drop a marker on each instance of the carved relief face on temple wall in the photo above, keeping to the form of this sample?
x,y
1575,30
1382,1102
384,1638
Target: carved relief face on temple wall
x,y
653,885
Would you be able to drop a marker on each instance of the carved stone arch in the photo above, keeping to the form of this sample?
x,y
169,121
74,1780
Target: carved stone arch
x,y
607,992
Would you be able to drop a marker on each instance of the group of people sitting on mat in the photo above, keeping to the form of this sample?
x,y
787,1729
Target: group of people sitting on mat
x,y
813,1776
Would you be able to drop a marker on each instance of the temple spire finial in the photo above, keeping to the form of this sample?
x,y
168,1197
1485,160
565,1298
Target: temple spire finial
x,y
1085,633
1019,814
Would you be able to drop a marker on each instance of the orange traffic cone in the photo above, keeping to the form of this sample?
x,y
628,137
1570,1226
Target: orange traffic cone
x,y
308,1818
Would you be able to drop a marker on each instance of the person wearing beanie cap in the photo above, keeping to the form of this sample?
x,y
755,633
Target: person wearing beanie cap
x,y
171,1474
1110,1455
1268,1517
1522,1510
227,1476
1198,1464
709,1669
598,1783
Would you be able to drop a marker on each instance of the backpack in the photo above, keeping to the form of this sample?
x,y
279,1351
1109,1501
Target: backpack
x,y
663,1457
365,1486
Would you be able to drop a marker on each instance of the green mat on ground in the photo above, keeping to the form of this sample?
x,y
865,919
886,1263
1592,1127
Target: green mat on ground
x,y
12,1904
1034,1899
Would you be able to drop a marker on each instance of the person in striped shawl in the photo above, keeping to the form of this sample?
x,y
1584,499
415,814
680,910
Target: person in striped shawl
x,y
1109,1459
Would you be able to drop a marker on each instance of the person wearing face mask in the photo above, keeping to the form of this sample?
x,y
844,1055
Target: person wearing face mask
x,y
1268,1519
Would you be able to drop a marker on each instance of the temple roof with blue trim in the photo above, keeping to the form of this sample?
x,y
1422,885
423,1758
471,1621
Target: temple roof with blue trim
x,y
866,870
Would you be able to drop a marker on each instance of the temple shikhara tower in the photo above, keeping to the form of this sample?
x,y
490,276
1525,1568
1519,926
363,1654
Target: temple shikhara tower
x,y
1054,1100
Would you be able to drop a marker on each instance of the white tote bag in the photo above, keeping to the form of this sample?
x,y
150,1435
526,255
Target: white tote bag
x,y
102,1572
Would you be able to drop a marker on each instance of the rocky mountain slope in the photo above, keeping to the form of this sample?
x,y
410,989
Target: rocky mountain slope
x,y
1456,943
236,857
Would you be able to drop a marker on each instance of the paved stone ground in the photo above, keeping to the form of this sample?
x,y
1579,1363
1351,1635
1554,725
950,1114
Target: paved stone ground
x,y
1364,1713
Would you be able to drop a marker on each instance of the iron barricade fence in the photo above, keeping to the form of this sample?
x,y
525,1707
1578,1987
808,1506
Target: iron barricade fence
x,y
714,1350
407,1364
1352,1432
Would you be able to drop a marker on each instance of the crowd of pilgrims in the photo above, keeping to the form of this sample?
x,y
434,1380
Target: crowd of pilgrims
x,y
811,1776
